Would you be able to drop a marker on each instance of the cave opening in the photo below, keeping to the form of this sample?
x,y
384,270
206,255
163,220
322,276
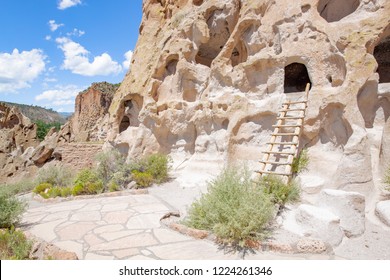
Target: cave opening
x,y
125,123
295,77
219,34
382,56
335,10
239,54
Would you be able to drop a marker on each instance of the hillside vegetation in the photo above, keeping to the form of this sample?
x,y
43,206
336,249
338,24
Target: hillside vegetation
x,y
37,113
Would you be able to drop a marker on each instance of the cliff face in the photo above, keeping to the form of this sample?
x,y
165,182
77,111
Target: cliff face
x,y
17,142
208,77
91,112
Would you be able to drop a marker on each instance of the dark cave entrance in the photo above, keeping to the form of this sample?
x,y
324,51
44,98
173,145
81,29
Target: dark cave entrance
x,y
295,78
382,56
125,123
335,10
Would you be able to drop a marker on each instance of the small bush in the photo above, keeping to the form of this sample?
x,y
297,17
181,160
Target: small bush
x,y
158,165
14,245
234,209
54,192
55,175
77,189
65,192
143,179
86,176
93,187
109,162
300,163
113,187
41,188
17,188
279,192
11,210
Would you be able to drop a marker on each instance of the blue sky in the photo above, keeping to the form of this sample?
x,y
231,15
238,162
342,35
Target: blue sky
x,y
52,49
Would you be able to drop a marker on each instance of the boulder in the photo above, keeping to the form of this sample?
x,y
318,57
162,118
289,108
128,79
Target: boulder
x,y
383,211
311,184
320,224
348,206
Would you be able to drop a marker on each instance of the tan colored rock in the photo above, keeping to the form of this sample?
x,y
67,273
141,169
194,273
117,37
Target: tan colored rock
x,y
208,78
311,246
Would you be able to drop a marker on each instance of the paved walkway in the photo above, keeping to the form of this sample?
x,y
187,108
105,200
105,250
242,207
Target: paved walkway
x,y
126,227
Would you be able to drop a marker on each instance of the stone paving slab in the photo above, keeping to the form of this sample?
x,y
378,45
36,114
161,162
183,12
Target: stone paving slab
x,y
123,227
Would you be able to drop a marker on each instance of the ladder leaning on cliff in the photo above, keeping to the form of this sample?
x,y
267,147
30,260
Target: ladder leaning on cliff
x,y
284,142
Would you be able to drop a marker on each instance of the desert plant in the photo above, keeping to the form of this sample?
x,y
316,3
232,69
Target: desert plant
x,y
18,187
55,175
65,192
109,162
234,209
78,189
14,245
113,186
11,210
301,162
143,179
280,192
42,187
86,176
387,179
158,165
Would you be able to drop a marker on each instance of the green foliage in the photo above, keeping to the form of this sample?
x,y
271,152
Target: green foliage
x,y
93,187
78,189
43,128
42,187
109,162
301,162
14,245
113,187
143,179
279,192
387,179
55,175
86,176
17,188
158,165
65,192
234,209
11,210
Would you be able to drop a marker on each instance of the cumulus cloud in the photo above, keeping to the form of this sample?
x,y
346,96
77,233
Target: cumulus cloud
x,y
76,32
128,56
19,69
77,60
48,38
53,25
64,4
60,95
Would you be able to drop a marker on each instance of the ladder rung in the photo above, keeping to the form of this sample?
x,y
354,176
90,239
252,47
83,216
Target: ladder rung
x,y
274,162
294,102
289,118
274,173
288,125
279,153
285,134
282,143
295,109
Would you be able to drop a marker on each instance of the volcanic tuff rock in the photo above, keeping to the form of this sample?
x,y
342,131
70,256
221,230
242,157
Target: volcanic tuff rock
x,y
208,77
17,141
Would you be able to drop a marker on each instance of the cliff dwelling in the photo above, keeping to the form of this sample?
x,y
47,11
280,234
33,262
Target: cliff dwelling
x,y
295,77
382,56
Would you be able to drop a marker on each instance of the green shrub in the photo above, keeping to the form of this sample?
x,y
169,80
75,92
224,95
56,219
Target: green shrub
x,y
93,187
11,210
109,162
234,209
124,175
14,245
43,128
301,162
77,189
279,192
65,192
55,175
18,187
113,186
54,192
41,188
86,176
143,179
158,165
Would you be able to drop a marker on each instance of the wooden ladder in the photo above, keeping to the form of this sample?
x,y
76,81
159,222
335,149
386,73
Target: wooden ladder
x,y
284,142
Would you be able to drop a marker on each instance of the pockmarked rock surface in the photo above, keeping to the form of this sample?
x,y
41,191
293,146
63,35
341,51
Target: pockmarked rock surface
x,y
383,211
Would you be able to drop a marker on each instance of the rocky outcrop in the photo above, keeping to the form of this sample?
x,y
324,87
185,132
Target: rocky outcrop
x,y
88,122
17,141
208,77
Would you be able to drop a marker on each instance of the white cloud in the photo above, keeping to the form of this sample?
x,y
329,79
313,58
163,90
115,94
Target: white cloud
x,y
77,60
19,69
76,32
60,96
48,38
128,56
50,80
64,4
54,26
